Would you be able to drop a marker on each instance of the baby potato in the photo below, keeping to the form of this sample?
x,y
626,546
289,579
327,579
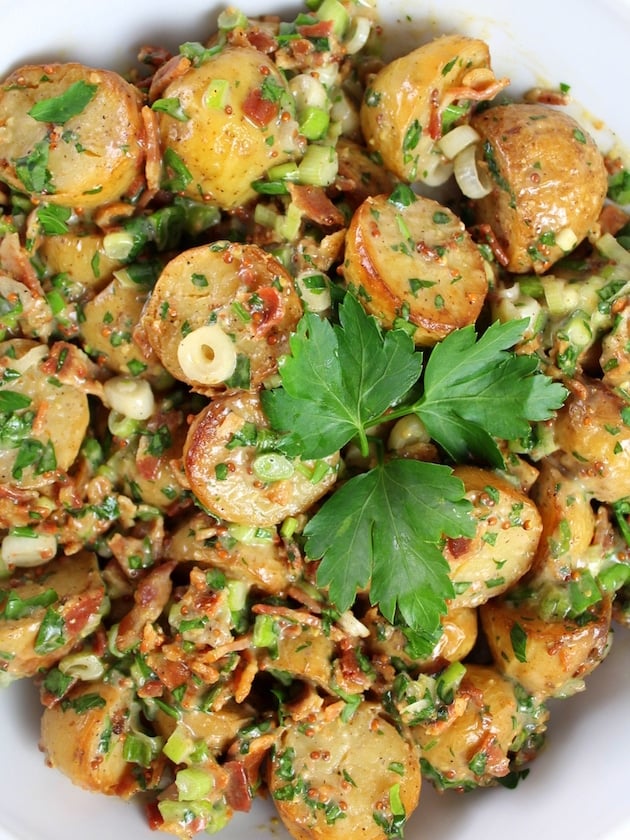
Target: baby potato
x,y
415,262
568,523
107,332
504,545
220,316
340,778
80,255
261,563
70,134
48,418
233,480
403,107
84,737
235,120
594,440
548,182
472,746
46,610
547,657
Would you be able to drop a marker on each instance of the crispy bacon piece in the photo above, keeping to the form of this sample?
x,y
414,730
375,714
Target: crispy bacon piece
x,y
314,204
259,110
150,598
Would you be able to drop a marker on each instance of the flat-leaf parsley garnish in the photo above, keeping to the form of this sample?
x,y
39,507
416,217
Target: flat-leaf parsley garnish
x,y
382,530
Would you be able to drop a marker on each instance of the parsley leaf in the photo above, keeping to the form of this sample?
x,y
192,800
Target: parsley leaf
x,y
474,391
338,380
59,109
382,528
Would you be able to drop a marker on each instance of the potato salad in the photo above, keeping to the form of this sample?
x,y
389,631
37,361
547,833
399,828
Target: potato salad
x,y
314,419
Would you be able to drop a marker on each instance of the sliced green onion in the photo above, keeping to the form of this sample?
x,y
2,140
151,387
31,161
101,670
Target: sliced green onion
x,y
82,665
217,94
118,245
231,18
193,783
319,166
336,13
273,466
314,123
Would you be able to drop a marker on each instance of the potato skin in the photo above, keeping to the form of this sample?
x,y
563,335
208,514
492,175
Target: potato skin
x,y
87,745
94,157
227,147
594,441
311,766
555,653
434,278
407,93
547,176
504,545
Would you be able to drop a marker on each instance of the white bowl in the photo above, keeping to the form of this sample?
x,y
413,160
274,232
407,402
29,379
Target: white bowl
x,y
577,787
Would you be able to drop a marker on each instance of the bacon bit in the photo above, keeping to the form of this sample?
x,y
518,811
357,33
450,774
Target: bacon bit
x,y
261,40
214,655
314,204
547,96
321,29
259,110
435,117
150,598
78,612
173,69
152,154
612,219
72,366
238,793
272,311
299,595
484,233
458,546
244,676
149,466
497,763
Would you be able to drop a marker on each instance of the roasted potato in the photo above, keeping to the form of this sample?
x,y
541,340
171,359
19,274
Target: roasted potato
x,y
414,262
46,610
548,657
224,473
504,545
263,563
593,440
70,134
220,315
548,182
235,120
344,776
84,737
107,332
472,747
404,105
48,419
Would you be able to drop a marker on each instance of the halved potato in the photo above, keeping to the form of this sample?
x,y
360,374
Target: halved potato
x,y
70,134
415,262
548,182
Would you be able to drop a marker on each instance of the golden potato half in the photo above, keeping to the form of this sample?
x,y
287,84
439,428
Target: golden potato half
x,y
415,262
70,134
548,182
233,123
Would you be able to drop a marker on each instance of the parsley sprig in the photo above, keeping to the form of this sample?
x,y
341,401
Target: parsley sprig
x,y
382,530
